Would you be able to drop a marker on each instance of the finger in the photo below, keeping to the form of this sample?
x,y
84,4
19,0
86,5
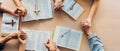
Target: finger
x,y
47,43
25,13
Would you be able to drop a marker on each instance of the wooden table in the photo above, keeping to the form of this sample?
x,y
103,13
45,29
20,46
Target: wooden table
x,y
106,24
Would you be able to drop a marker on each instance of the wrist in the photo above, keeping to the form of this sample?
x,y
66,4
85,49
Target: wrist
x,y
59,0
89,33
22,44
22,47
57,49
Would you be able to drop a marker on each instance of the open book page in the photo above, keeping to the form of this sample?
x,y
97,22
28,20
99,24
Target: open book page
x,y
44,8
72,8
36,40
68,38
41,39
10,24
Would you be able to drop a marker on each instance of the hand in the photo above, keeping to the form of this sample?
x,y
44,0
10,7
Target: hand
x,y
10,36
22,11
85,25
14,35
15,13
51,45
22,37
58,4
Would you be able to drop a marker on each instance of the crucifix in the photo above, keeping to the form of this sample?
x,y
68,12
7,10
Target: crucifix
x,y
36,8
11,23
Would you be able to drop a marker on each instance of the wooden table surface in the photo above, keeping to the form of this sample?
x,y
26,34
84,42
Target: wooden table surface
x,y
106,24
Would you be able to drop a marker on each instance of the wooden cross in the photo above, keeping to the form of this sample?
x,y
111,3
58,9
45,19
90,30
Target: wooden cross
x,y
36,8
12,23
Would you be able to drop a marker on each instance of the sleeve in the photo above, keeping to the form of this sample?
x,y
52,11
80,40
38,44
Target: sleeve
x,y
1,46
0,3
0,6
95,43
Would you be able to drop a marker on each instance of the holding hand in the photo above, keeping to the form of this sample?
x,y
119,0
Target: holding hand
x,y
22,10
51,45
58,4
22,37
85,25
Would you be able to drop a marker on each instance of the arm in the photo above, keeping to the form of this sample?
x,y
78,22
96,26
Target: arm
x,y
5,39
93,9
5,9
22,37
22,47
18,3
95,43
87,22
57,4
51,45
8,37
21,8
2,8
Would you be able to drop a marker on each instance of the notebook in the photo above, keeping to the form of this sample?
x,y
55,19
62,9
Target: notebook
x,y
68,38
72,8
43,9
9,24
36,39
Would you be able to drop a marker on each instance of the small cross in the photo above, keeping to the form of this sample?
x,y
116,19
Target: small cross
x,y
37,11
36,8
12,23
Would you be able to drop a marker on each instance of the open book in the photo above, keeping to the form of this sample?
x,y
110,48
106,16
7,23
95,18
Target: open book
x,y
38,9
9,24
72,8
36,40
68,38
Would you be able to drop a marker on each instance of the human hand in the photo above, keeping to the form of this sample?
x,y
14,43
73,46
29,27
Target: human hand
x,y
22,37
23,11
14,34
58,4
51,45
20,12
85,25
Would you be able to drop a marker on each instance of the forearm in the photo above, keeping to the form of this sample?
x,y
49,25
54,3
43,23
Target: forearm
x,y
93,9
5,39
18,3
5,9
58,0
22,47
